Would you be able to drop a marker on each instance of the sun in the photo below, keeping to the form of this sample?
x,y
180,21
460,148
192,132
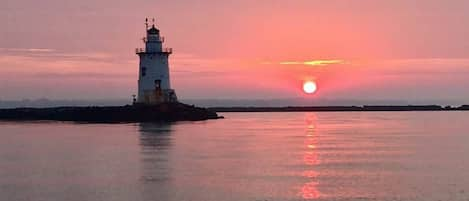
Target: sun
x,y
310,87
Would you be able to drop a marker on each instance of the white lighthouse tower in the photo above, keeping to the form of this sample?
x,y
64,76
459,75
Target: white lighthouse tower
x,y
154,85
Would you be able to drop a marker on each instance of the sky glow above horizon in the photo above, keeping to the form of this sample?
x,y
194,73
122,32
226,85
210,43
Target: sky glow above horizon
x,y
368,49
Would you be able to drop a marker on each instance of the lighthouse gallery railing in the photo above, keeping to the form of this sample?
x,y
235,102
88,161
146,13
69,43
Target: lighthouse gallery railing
x,y
164,51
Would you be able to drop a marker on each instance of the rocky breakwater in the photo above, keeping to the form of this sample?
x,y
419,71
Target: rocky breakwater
x,y
165,112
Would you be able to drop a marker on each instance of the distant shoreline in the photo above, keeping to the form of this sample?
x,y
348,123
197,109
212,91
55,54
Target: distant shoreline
x,y
365,108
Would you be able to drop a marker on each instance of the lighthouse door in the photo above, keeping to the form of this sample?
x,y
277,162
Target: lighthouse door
x,y
157,85
158,93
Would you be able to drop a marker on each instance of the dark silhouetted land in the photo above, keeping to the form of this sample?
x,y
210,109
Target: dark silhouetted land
x,y
340,108
168,112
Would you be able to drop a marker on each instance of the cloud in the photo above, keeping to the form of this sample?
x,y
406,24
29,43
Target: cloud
x,y
57,55
431,62
411,67
194,73
313,62
190,60
87,75
26,50
53,64
428,67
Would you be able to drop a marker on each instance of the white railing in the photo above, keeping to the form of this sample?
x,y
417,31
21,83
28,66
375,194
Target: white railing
x,y
164,51
167,50
139,50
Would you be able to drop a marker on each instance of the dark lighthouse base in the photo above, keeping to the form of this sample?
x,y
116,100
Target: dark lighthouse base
x,y
165,112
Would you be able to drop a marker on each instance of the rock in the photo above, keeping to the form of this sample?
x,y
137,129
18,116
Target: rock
x,y
165,112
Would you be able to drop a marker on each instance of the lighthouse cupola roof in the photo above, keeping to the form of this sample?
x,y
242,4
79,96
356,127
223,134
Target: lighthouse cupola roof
x,y
153,30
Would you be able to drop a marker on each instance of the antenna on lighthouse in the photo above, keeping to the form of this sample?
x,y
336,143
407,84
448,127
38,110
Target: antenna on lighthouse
x,y
153,20
146,23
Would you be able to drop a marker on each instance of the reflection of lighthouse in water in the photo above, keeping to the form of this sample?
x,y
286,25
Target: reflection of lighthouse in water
x,y
154,85
156,144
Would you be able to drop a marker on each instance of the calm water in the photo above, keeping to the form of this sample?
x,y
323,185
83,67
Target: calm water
x,y
246,157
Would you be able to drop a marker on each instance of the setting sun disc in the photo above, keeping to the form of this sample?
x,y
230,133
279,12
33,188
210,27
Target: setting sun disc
x,y
309,87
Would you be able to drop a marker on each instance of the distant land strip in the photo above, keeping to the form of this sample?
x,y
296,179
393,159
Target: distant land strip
x,y
365,108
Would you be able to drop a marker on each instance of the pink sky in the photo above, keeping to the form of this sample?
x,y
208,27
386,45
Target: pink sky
x,y
393,49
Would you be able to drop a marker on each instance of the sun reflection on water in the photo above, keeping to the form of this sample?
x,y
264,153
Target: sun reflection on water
x,y
310,158
310,191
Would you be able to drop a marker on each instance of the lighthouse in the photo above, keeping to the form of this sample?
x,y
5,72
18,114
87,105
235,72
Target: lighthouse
x,y
154,85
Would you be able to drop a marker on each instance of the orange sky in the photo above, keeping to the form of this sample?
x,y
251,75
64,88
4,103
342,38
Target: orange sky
x,y
370,49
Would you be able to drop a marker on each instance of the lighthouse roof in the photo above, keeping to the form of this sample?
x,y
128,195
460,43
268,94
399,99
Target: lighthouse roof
x,y
153,30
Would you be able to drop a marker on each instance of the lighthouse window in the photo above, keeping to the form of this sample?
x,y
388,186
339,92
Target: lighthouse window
x,y
144,71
